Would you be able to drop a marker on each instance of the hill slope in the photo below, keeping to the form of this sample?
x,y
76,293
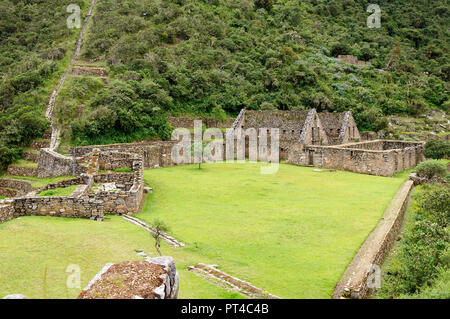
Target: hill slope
x,y
186,56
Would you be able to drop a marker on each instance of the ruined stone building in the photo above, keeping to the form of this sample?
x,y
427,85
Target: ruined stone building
x,y
302,126
331,140
307,127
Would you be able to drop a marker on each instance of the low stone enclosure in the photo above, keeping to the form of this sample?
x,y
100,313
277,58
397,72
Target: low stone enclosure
x,y
115,192
379,157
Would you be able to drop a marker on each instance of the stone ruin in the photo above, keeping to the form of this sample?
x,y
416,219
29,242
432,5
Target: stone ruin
x,y
332,140
124,194
307,138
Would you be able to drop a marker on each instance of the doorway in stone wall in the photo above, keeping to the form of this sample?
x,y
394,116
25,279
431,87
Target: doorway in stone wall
x,y
311,158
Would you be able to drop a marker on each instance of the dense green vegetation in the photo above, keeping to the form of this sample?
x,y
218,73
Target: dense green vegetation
x,y
35,45
432,168
191,56
437,149
420,269
293,234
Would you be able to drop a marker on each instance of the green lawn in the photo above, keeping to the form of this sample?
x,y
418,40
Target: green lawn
x,y
24,163
29,246
37,182
63,191
292,233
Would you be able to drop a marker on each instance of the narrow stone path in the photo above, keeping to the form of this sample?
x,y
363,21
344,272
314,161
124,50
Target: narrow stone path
x,y
167,238
49,114
230,283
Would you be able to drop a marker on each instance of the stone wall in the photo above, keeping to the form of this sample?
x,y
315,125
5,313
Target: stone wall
x,y
59,207
82,180
8,192
188,122
289,123
21,186
7,213
52,164
351,59
125,198
89,70
119,178
22,171
128,198
37,145
367,158
154,153
31,156
368,136
354,283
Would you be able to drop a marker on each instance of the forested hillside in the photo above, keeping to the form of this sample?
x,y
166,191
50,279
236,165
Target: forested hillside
x,y
191,56
208,56
35,44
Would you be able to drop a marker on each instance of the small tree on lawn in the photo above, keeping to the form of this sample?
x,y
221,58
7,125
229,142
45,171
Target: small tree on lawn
x,y
159,228
197,149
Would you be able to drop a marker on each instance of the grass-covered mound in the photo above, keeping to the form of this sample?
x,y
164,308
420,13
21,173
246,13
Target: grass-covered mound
x,y
292,233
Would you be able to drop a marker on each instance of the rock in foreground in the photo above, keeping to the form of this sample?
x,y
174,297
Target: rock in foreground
x,y
154,278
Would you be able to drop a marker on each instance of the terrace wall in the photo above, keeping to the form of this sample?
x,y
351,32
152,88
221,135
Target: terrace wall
x,y
14,187
82,180
59,207
22,171
354,283
7,212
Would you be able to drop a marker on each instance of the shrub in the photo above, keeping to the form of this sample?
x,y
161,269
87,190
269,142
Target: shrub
x,y
436,203
437,149
264,4
431,168
422,260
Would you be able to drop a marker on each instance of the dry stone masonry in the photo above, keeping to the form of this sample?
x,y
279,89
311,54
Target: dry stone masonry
x,y
123,196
